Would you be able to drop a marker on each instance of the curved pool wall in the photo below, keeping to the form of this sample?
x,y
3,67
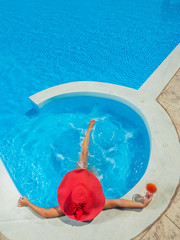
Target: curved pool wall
x,y
47,145
163,169
119,144
93,89
55,93
120,94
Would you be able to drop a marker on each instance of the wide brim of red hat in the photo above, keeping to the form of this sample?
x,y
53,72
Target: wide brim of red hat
x,y
96,200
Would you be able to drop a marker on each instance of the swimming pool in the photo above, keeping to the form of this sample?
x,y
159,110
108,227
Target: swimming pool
x,y
44,146
43,44
120,42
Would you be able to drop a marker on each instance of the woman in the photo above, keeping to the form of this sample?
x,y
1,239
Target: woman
x,y
80,194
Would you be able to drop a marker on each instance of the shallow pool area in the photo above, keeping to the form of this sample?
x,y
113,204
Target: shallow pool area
x,y
45,145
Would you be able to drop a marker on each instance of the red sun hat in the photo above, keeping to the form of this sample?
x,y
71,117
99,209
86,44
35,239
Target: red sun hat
x,y
80,195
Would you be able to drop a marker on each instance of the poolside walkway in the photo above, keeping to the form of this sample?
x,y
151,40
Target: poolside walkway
x,y
167,226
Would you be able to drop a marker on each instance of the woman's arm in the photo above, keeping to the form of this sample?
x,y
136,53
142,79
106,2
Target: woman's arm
x,y
123,203
44,212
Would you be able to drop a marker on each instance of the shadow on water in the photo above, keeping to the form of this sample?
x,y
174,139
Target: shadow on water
x,y
31,113
169,10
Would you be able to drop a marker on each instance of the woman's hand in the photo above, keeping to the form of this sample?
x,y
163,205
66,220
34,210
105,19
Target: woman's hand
x,y
147,199
23,202
43,212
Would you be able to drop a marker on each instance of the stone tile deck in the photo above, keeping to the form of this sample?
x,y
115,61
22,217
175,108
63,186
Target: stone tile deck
x,y
170,100
167,226
2,237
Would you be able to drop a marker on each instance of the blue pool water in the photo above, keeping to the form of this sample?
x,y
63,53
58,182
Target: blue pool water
x,y
62,41
42,147
46,43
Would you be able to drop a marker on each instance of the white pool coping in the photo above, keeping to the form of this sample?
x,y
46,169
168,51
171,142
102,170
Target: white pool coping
x,y
163,169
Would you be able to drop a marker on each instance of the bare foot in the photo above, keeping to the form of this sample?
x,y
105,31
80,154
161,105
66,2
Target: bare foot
x,y
23,202
91,124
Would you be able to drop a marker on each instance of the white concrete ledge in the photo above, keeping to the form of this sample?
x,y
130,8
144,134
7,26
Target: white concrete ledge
x,y
161,76
86,88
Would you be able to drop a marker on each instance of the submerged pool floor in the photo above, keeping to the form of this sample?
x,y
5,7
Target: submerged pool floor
x,y
45,145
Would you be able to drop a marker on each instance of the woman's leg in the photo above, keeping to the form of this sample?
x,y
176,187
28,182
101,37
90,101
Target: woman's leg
x,y
82,163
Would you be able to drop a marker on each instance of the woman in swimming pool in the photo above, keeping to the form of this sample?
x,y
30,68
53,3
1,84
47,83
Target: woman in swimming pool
x,y
80,194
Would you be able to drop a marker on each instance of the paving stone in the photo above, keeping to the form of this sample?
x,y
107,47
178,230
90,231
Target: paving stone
x,y
174,210
140,236
2,237
176,200
164,229
174,214
171,97
178,75
168,226
170,100
178,130
163,103
175,116
175,83
173,112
